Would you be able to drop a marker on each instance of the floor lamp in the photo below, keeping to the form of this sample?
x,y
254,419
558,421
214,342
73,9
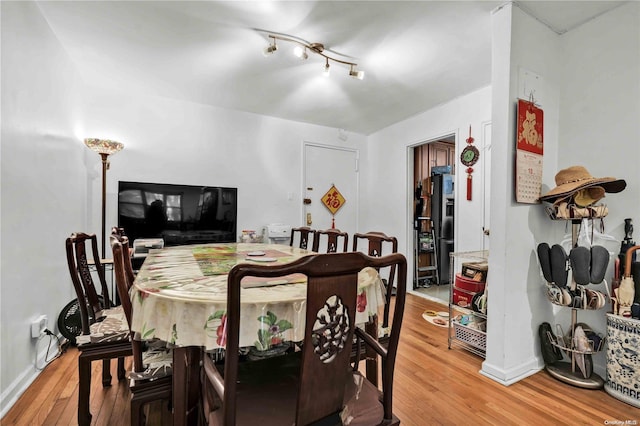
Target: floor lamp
x,y
104,147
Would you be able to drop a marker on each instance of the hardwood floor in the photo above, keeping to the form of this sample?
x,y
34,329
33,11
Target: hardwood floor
x,y
433,386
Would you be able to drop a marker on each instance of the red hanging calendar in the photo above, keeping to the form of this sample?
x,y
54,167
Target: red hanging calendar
x,y
529,150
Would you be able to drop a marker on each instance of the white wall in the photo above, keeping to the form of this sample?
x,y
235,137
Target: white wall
x,y
600,124
388,202
43,188
600,111
517,303
168,141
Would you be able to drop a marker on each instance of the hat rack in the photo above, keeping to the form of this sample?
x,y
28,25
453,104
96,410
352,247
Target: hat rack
x,y
576,197
598,211
568,372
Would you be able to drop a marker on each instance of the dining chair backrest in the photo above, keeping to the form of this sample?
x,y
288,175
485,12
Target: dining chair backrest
x,y
332,290
304,234
378,243
81,249
128,266
333,238
120,250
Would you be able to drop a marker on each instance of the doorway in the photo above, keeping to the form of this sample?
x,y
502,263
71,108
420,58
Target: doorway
x,y
434,177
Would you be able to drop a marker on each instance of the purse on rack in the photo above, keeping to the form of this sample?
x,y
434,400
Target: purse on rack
x,y
565,210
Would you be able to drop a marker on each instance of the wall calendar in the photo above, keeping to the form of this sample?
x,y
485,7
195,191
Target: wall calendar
x,y
529,150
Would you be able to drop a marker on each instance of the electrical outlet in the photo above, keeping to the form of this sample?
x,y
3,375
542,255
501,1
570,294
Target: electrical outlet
x,y
38,326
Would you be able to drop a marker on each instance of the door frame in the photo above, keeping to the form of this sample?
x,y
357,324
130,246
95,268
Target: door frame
x,y
410,199
303,186
485,159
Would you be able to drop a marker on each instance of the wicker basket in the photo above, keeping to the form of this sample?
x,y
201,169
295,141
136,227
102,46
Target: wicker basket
x,y
470,336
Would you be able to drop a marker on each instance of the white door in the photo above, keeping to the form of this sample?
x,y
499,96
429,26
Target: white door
x,y
324,167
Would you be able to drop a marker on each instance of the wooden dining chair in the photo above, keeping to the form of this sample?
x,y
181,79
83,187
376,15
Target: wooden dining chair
x,y
151,378
104,335
332,237
316,383
377,244
304,234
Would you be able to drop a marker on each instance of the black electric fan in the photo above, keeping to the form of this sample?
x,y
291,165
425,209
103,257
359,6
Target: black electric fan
x,y
70,320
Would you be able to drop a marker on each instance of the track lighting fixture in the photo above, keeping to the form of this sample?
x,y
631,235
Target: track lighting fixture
x,y
356,74
270,48
302,47
301,52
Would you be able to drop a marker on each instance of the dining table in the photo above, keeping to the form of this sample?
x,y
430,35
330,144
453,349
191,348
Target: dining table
x,y
179,296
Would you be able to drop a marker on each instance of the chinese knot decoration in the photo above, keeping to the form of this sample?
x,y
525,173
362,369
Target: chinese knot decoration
x,y
333,200
469,157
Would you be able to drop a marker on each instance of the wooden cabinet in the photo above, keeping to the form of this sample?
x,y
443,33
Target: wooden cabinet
x,y
425,157
439,154
431,155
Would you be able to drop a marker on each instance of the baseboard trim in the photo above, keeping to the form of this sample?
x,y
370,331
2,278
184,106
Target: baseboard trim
x,y
10,396
512,375
15,390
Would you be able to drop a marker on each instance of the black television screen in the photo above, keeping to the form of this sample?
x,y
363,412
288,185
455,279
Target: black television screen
x,y
179,214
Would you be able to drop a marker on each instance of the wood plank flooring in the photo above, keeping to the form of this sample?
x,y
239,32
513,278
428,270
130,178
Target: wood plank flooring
x,y
433,386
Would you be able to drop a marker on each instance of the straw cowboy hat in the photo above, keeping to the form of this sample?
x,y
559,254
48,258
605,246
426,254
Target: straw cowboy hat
x,y
576,178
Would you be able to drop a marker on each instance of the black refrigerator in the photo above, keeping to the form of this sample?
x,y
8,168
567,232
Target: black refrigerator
x,y
442,208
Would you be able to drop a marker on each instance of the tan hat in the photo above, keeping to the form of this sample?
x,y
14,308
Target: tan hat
x,y
574,178
586,197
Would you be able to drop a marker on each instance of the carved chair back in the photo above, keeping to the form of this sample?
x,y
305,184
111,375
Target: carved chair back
x,y
304,235
377,244
334,240
82,249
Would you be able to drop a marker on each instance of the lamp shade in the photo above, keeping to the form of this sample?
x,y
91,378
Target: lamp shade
x,y
103,146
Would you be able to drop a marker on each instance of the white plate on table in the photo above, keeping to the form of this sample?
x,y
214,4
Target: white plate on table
x,y
262,259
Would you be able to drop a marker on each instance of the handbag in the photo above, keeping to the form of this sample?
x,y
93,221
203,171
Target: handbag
x,y
566,210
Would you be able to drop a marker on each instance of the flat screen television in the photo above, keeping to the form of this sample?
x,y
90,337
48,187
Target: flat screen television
x,y
179,214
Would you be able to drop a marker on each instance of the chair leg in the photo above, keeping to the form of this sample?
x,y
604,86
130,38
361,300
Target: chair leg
x,y
106,372
159,389
121,370
84,387
137,416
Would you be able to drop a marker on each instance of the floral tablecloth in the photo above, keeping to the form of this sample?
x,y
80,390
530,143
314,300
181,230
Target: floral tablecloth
x,y
180,296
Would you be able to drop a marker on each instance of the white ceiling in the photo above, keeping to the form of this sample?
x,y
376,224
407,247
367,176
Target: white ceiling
x,y
415,54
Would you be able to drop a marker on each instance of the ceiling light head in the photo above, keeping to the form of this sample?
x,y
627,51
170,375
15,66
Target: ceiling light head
x,y
301,52
272,47
356,74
